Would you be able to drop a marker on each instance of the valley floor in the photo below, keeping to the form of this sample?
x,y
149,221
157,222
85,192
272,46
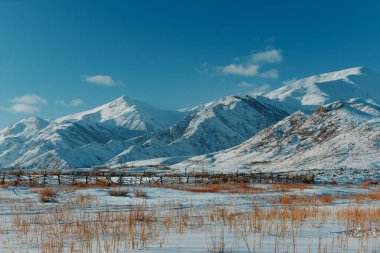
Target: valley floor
x,y
279,217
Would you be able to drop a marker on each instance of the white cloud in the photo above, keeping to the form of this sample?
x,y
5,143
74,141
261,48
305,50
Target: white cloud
x,y
290,81
25,104
255,89
245,84
30,99
269,56
272,73
72,103
252,65
262,89
100,80
76,102
21,108
239,69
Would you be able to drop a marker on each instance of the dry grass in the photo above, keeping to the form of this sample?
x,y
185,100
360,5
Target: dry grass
x,y
140,193
81,224
74,226
237,188
216,188
374,196
81,200
117,192
46,195
306,200
292,199
82,185
5,185
286,187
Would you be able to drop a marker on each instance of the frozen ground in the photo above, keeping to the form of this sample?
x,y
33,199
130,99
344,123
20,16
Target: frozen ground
x,y
171,220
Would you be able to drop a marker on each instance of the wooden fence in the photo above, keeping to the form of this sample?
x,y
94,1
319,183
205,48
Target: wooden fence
x,y
110,178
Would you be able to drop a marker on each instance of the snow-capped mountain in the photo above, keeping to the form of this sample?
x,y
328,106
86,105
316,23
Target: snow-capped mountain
x,y
13,138
335,136
211,127
84,139
309,93
56,139
245,131
128,113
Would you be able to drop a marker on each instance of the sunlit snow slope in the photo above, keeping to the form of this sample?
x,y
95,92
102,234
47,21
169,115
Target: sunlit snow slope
x,y
311,92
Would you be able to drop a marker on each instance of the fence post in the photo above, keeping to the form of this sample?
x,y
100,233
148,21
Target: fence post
x,y
121,178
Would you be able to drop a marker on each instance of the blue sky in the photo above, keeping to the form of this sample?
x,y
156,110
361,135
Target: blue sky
x,y
60,57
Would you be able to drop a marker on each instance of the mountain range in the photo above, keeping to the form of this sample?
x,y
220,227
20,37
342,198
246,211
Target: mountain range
x,y
324,121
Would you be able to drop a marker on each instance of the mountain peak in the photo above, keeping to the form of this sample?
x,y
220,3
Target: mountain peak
x,y
129,113
314,91
25,127
31,121
121,99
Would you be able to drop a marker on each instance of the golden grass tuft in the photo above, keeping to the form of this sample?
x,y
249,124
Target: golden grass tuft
x,y
286,187
47,195
140,193
117,192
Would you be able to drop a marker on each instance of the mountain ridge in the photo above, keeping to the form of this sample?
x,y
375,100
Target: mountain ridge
x,y
129,113
311,92
300,137
130,131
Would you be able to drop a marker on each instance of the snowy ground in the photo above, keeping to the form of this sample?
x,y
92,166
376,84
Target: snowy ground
x,y
170,220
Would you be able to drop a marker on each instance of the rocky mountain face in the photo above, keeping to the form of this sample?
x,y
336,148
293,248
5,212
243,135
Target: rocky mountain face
x,y
334,136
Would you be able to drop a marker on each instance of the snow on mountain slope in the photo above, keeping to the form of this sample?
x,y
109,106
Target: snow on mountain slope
x,y
13,138
368,106
85,140
311,92
214,126
128,113
84,156
335,136
23,128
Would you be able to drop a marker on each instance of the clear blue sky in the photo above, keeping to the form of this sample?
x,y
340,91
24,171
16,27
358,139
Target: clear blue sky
x,y
59,57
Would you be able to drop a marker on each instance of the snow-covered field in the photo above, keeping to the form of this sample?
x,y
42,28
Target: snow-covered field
x,y
191,218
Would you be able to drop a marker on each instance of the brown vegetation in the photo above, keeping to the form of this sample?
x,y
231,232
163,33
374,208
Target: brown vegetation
x,y
216,188
117,192
140,193
46,195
